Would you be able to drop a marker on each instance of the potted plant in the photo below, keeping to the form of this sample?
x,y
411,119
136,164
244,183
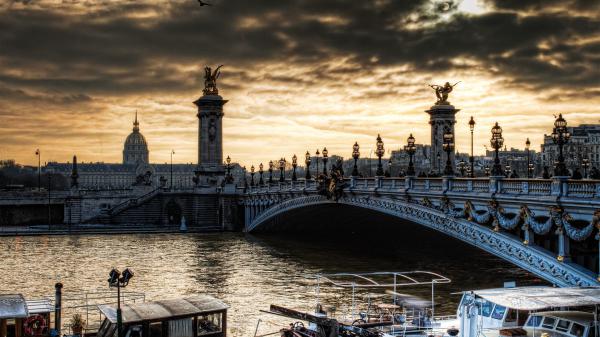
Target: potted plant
x,y
77,324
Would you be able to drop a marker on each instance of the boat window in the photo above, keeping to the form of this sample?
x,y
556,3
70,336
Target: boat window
x,y
102,330
209,324
181,327
156,329
577,330
534,321
512,315
563,325
134,331
548,322
498,312
486,308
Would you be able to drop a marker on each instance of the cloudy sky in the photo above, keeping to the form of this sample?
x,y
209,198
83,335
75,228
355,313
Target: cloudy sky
x,y
299,74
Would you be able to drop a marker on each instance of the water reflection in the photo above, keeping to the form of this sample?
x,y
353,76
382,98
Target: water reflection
x,y
247,272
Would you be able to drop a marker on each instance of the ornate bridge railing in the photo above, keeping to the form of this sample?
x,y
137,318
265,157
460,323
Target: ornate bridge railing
x,y
550,226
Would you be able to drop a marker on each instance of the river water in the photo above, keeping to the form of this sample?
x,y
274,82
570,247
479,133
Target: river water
x,y
247,272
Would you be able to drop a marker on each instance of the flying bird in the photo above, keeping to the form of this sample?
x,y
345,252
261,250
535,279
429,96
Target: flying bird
x,y
202,3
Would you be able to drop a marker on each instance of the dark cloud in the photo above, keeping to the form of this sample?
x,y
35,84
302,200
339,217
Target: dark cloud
x,y
127,47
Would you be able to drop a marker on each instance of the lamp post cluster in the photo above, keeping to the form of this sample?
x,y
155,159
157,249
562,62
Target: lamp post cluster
x,y
379,152
119,280
496,142
560,136
355,156
448,147
410,148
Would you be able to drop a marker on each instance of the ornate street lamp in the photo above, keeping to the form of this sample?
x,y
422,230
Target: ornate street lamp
x,y
380,151
307,163
282,169
252,175
496,141
560,136
317,153
448,146
585,163
228,161
294,165
38,153
270,171
527,145
410,148
260,173
325,159
462,166
472,158
355,156
119,280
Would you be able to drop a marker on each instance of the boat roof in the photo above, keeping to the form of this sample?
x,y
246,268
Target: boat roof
x,y
13,306
537,298
164,309
381,279
39,306
583,318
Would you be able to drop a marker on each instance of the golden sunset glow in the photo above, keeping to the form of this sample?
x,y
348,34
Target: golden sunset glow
x,y
299,75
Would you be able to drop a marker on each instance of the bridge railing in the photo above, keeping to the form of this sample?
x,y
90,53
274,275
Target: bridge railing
x,y
507,186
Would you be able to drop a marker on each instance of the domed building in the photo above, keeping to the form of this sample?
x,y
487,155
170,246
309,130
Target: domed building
x,y
135,150
135,169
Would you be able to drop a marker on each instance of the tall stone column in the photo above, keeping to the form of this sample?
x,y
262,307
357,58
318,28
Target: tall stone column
x,y
210,167
441,117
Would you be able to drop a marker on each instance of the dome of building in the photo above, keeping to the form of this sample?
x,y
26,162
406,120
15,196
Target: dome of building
x,y
135,150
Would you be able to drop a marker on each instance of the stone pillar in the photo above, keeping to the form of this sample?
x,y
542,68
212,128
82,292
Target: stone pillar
x,y
210,139
441,116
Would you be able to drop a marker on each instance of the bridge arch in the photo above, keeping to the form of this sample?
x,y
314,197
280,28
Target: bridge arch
x,y
533,259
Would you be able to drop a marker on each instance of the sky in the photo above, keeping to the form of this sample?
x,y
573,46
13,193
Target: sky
x,y
299,74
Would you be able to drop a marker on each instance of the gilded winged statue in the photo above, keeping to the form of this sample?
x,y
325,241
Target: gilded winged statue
x,y
210,80
442,91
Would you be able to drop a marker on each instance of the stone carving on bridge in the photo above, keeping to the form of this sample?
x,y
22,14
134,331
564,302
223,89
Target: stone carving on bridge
x,y
332,186
210,80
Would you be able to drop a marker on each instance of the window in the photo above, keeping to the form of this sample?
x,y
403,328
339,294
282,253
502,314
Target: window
x,y
156,329
548,322
534,321
498,312
209,324
563,325
512,315
577,330
486,308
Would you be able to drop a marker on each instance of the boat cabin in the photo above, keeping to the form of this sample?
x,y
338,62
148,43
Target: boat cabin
x,y
196,316
24,318
561,323
501,308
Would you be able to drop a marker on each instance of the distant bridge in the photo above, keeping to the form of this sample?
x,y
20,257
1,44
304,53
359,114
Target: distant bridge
x,y
546,226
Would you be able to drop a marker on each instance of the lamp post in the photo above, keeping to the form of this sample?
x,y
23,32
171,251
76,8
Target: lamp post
x,y
38,153
560,136
472,158
355,156
294,165
49,211
172,153
527,145
270,171
317,153
496,142
260,173
307,164
410,149
228,161
585,163
252,175
325,159
118,280
245,180
282,169
448,146
379,151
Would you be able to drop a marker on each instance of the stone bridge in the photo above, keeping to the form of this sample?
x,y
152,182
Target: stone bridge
x,y
546,226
